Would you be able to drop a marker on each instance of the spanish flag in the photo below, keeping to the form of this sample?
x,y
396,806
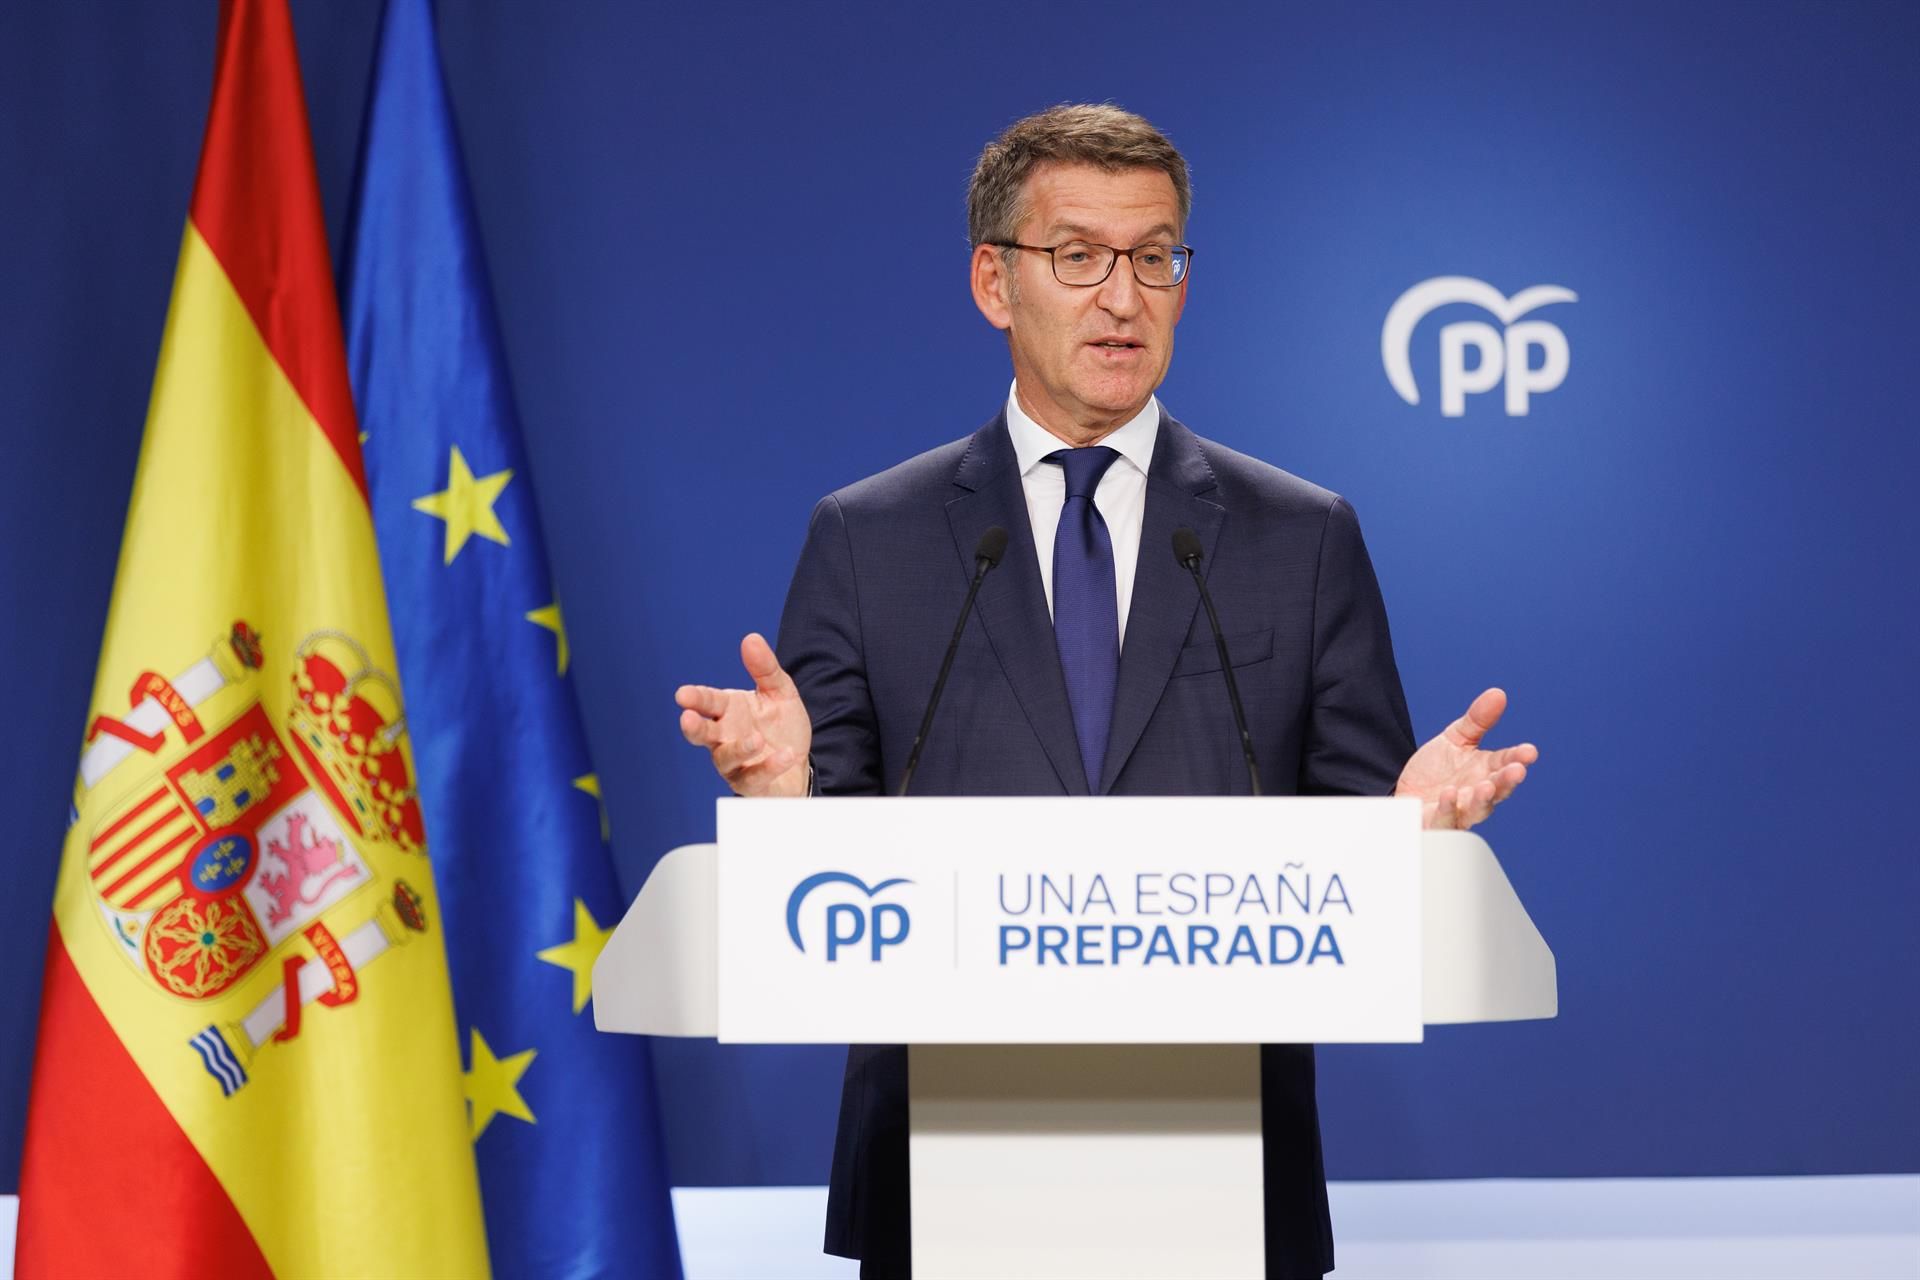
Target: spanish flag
x,y
247,1061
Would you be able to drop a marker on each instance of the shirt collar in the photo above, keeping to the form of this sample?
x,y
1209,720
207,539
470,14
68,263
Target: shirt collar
x,y
1033,442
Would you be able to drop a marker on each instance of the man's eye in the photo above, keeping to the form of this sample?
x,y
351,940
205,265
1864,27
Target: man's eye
x,y
1151,256
1075,255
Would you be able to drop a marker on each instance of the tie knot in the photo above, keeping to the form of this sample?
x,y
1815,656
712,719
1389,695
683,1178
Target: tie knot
x,y
1084,467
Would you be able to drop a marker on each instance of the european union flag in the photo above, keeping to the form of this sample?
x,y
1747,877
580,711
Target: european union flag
x,y
563,1119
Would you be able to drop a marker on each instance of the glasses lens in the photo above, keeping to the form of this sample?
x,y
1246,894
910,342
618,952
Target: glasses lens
x,y
1078,262
1159,264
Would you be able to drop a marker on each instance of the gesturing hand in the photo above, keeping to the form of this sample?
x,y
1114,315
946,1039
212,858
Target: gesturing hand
x,y
758,737
1457,783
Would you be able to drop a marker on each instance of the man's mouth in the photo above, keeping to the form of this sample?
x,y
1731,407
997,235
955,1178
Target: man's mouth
x,y
1116,344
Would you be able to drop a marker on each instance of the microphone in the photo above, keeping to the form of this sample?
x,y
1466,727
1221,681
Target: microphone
x,y
992,545
1186,549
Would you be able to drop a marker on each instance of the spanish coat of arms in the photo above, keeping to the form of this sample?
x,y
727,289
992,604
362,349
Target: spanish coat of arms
x,y
227,857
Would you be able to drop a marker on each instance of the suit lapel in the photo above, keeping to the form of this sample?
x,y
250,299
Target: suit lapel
x,y
1013,605
1164,597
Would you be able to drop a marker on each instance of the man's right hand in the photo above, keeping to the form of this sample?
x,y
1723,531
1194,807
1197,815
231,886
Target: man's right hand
x,y
758,737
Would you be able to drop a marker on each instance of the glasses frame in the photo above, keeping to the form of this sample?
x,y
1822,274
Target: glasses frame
x,y
1118,253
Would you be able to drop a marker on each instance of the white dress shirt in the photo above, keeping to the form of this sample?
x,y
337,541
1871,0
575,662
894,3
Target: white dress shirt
x,y
1121,497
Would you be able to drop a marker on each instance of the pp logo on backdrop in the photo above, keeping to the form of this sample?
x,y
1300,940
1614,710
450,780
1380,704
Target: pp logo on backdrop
x,y
1502,356
855,921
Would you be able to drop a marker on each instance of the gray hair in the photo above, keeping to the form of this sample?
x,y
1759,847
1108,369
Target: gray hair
x,y
1101,135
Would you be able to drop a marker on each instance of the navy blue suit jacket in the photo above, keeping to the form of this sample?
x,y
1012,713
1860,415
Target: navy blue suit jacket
x,y
870,611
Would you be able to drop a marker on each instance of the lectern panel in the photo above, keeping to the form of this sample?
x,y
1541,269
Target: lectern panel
x,y
1070,920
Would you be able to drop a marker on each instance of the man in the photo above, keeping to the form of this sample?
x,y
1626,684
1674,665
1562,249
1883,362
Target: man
x,y
1088,667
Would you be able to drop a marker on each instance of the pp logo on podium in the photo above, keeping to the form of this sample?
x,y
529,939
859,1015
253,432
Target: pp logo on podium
x,y
853,921
1503,357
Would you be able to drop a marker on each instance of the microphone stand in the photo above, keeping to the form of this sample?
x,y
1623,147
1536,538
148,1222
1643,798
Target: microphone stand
x,y
993,545
1186,549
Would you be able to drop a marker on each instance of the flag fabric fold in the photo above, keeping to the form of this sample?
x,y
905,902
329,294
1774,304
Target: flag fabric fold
x,y
562,1119
248,1062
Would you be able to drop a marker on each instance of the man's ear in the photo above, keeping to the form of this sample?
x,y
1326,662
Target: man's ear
x,y
992,286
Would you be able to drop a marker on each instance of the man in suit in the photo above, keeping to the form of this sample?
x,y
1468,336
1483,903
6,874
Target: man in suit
x,y
1088,666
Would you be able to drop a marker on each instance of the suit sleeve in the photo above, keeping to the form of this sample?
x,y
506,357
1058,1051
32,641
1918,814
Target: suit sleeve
x,y
820,646
1358,732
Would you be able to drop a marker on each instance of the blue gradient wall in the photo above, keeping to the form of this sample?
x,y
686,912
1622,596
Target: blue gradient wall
x,y
728,244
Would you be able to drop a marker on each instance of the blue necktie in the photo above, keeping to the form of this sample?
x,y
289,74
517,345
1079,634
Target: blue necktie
x,y
1086,610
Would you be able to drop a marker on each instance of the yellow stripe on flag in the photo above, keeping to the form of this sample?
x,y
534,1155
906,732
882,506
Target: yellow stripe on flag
x,y
346,1150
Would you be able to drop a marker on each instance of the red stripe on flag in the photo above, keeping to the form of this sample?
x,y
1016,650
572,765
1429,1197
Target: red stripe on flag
x,y
163,890
257,205
110,1184
165,849
160,825
105,868
125,818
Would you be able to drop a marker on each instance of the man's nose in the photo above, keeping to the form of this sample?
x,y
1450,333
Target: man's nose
x,y
1119,294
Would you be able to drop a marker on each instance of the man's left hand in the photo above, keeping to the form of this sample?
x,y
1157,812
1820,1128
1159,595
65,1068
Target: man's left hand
x,y
1455,781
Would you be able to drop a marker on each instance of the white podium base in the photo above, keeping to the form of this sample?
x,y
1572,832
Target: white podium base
x,y
1839,1228
1095,1161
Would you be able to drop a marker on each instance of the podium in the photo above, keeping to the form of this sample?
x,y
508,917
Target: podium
x,y
1083,984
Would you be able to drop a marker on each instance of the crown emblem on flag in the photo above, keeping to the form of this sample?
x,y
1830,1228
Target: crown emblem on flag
x,y
347,723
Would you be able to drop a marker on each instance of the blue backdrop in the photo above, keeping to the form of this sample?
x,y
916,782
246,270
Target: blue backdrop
x,y
728,246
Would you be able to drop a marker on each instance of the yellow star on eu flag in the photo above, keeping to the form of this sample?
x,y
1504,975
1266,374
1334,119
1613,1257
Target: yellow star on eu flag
x,y
590,783
589,940
549,618
466,504
493,1085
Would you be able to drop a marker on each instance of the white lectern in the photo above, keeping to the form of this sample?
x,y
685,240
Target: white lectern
x,y
1084,984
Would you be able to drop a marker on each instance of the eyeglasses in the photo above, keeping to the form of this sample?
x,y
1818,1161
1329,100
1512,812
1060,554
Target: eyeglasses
x,y
1078,263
